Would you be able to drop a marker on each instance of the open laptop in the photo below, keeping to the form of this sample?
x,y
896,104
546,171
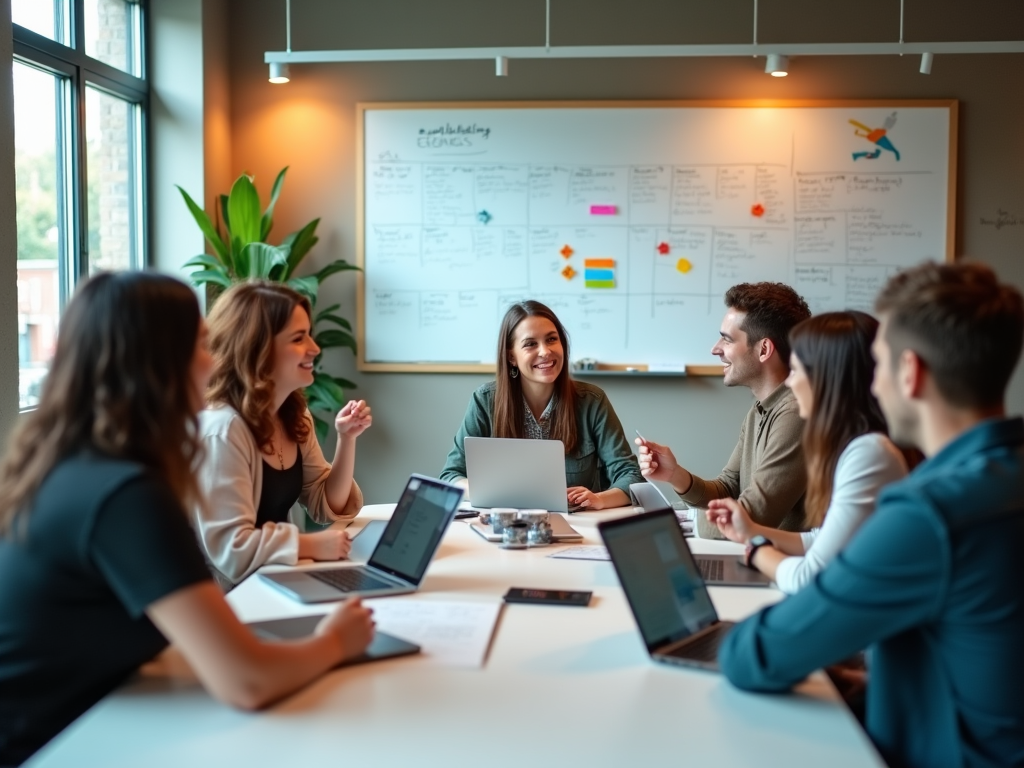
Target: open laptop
x,y
717,570
399,560
666,593
383,645
524,474
366,540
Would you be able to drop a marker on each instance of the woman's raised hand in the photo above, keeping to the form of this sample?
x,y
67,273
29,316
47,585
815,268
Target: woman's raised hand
x,y
353,419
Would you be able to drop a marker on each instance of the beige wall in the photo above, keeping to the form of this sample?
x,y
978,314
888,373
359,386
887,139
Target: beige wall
x,y
309,125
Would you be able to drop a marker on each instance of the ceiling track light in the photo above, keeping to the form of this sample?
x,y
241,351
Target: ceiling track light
x,y
926,63
279,73
777,65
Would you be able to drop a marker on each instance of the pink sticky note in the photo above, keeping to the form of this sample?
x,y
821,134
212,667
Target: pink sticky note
x,y
603,210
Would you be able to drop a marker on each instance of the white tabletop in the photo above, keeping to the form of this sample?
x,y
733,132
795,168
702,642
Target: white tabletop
x,y
562,686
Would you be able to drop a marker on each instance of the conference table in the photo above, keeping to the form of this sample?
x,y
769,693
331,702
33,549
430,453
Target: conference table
x,y
560,686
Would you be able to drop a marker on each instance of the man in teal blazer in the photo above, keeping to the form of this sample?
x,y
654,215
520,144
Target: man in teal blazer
x,y
933,583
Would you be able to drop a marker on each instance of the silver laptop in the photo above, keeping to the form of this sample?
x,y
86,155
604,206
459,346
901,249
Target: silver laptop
x,y
524,474
666,593
717,570
366,541
399,560
383,645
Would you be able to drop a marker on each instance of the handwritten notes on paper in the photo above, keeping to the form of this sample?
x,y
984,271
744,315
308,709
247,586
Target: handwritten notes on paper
x,y
685,202
451,633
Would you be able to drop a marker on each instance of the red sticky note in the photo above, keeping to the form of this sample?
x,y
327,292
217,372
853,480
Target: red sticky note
x,y
757,210
604,210
663,248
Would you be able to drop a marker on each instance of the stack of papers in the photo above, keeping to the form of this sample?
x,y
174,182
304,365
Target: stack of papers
x,y
451,633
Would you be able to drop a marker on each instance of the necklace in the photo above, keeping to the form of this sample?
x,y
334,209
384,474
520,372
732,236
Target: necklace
x,y
280,453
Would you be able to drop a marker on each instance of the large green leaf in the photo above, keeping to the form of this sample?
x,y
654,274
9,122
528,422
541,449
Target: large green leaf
x,y
267,222
205,260
343,383
210,276
208,230
327,317
340,265
335,338
307,286
322,428
244,211
224,212
261,259
299,244
325,311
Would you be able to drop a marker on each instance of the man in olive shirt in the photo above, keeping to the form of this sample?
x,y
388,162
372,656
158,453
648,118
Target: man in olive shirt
x,y
766,471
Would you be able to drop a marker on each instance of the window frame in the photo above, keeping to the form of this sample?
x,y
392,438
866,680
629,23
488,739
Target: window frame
x,y
81,71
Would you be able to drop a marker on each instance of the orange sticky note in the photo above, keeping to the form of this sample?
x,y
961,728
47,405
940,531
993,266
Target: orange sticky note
x,y
568,273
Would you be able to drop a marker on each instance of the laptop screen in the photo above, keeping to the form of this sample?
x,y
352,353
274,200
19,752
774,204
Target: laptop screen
x,y
419,521
659,576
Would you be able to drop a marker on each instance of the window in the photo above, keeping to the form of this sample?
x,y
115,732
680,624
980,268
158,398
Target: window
x,y
79,110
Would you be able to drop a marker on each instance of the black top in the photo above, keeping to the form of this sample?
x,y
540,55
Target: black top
x,y
281,489
104,539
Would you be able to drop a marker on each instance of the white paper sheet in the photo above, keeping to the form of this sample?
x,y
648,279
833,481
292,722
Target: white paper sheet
x,y
451,633
589,552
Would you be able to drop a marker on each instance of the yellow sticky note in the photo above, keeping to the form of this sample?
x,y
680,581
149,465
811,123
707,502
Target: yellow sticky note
x,y
684,266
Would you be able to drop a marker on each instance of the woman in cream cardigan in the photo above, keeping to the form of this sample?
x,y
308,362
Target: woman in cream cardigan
x,y
261,453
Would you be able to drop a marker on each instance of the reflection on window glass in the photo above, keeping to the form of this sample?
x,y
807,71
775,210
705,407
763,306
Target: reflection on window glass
x,y
110,139
110,33
40,222
47,17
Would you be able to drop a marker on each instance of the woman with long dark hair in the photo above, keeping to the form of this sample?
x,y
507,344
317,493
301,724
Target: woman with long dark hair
x,y
100,568
262,455
533,396
849,456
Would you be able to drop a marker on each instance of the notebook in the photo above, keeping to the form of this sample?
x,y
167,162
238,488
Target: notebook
x,y
399,560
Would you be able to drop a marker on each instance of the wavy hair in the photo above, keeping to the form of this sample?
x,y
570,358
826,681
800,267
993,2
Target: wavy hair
x,y
243,324
120,383
508,415
835,350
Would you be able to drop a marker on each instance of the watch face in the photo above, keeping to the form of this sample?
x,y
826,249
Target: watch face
x,y
758,541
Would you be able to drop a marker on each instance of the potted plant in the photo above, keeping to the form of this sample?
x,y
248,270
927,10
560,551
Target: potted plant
x,y
241,252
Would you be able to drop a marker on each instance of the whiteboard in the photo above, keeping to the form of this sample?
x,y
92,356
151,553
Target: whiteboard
x,y
631,220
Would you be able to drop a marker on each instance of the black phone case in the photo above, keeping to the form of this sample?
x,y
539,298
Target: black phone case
x,y
548,596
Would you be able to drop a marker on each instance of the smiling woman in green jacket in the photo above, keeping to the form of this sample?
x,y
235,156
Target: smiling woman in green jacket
x,y
533,396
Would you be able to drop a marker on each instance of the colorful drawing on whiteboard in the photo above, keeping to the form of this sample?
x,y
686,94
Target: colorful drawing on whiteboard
x,y
599,273
877,136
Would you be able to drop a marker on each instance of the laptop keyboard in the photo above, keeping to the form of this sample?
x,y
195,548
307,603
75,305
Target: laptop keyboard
x,y
350,579
704,648
711,568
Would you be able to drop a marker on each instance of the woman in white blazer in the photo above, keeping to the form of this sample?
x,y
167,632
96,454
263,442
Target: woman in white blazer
x,y
849,456
261,451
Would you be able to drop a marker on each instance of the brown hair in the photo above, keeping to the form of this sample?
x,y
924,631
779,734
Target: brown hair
x,y
508,415
835,350
964,324
120,383
772,309
243,324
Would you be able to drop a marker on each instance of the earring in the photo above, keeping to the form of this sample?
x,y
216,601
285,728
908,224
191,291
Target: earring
x,y
514,372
